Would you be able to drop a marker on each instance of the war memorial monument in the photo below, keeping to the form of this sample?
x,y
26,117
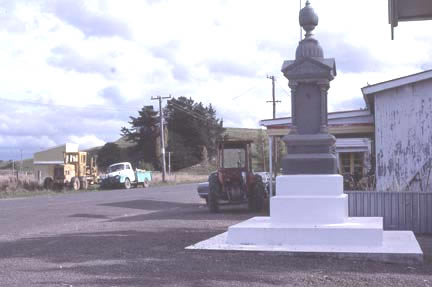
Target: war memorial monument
x,y
309,214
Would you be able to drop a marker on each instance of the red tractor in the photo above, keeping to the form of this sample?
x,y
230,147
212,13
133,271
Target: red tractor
x,y
234,182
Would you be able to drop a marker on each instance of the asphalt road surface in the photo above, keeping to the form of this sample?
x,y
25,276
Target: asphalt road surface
x,y
137,238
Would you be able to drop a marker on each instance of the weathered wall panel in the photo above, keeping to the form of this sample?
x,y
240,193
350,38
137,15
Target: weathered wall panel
x,y
400,210
403,126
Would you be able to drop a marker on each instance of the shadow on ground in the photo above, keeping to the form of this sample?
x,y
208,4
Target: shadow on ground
x,y
163,210
132,258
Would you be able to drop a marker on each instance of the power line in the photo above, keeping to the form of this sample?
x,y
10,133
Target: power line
x,y
189,112
283,89
244,93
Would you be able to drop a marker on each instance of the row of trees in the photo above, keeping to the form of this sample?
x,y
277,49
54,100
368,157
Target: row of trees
x,y
191,131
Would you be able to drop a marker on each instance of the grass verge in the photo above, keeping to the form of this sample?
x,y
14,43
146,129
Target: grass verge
x,y
26,186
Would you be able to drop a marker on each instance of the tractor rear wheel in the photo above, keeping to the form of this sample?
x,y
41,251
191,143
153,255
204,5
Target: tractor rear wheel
x,y
257,197
214,188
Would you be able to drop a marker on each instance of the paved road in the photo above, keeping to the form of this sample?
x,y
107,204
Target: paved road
x,y
137,238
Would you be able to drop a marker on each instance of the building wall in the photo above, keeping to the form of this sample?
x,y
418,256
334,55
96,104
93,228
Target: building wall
x,y
55,154
403,134
43,171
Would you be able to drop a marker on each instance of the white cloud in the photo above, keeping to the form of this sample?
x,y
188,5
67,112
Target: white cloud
x,y
94,63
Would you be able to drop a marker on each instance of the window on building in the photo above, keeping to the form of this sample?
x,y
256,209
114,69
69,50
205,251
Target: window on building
x,y
352,163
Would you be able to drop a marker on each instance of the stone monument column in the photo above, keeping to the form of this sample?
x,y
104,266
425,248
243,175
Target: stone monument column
x,y
310,148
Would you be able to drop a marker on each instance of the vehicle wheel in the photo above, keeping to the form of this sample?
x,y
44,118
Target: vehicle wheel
x,y
48,183
127,183
257,197
75,183
84,184
146,183
214,188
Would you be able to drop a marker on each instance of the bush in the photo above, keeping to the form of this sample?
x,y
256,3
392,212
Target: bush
x,y
10,184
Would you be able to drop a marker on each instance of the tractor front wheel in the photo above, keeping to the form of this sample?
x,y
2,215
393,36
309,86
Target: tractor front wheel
x,y
212,199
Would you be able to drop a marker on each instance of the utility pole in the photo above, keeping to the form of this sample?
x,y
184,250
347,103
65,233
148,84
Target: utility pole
x,y
21,165
169,163
274,145
263,153
162,132
273,79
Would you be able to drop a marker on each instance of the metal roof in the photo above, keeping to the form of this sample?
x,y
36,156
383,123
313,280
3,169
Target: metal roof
x,y
371,90
335,118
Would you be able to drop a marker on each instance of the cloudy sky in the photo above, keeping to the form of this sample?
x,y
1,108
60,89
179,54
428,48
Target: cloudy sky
x,y
74,70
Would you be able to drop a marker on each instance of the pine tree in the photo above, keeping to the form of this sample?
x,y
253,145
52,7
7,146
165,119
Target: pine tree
x,y
191,126
144,132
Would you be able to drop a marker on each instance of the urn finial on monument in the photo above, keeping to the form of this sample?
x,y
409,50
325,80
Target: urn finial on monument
x,y
310,148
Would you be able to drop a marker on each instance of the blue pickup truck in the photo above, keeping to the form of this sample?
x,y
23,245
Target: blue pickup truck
x,y
122,175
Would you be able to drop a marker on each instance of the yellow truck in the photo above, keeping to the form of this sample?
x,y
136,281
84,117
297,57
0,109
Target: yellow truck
x,y
65,166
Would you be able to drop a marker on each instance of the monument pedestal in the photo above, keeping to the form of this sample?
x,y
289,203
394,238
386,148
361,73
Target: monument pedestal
x,y
308,210
309,215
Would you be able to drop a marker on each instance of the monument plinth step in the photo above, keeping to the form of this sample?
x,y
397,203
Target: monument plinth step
x,y
309,209
355,231
307,184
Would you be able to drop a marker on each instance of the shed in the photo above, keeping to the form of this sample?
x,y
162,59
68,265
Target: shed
x,y
402,111
45,161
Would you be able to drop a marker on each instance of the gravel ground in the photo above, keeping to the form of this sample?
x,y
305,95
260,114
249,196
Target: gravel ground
x,y
137,238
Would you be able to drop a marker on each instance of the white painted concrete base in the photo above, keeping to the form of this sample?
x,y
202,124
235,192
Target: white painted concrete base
x,y
397,247
310,215
262,231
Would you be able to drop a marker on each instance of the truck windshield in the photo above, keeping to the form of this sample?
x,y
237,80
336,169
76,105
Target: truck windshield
x,y
116,167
